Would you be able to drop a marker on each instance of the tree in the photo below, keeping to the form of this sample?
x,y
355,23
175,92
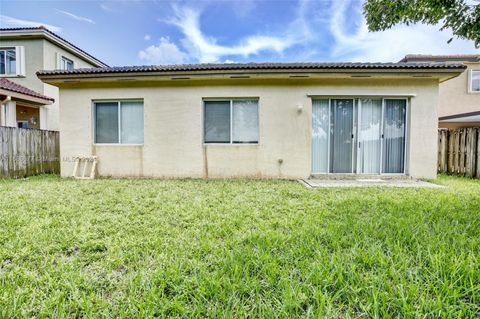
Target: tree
x,y
462,17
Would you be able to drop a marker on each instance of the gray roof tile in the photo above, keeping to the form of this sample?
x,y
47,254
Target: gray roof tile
x,y
211,67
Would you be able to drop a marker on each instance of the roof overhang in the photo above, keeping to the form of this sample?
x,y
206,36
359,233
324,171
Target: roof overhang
x,y
25,97
462,117
244,75
42,33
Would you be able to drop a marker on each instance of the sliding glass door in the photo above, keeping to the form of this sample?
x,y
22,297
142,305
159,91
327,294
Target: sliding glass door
x,y
362,136
341,136
369,136
320,135
394,128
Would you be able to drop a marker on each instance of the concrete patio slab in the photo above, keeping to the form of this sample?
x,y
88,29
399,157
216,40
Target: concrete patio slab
x,y
316,183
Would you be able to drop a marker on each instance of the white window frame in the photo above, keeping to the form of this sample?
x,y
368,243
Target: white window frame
x,y
470,82
65,61
5,49
119,143
231,119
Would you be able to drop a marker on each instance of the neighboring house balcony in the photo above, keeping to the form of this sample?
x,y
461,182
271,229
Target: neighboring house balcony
x,y
21,106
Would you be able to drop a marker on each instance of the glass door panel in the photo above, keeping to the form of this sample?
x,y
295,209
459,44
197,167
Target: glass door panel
x,y
369,136
341,136
394,119
320,123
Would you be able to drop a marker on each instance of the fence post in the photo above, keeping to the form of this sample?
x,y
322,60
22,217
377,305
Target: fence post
x,y
450,151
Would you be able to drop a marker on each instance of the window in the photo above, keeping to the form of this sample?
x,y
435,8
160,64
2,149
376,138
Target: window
x,y
475,81
8,61
231,121
66,64
118,122
22,124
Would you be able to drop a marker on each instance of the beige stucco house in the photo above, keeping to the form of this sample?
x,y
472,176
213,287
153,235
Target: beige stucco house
x,y
23,52
459,98
264,120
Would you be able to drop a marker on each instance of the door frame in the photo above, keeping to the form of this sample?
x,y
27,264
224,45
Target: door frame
x,y
355,131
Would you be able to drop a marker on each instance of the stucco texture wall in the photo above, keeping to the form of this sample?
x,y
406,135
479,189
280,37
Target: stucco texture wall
x,y
173,127
33,62
454,97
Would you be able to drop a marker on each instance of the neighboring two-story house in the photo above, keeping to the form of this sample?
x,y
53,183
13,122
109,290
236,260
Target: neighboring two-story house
x,y
25,101
459,98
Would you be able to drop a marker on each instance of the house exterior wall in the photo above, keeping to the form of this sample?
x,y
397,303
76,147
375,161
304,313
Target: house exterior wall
x,y
173,127
454,97
41,54
33,62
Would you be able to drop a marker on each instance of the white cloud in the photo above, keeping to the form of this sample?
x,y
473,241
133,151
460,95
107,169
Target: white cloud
x,y
105,7
389,45
165,52
147,37
206,49
10,22
76,17
319,30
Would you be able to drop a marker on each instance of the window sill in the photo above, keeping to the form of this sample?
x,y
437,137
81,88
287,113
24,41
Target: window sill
x,y
231,144
12,76
116,145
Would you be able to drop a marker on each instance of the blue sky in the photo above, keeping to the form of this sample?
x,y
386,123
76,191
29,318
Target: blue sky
x,y
171,32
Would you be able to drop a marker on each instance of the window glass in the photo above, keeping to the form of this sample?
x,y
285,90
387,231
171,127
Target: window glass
x,y
10,61
22,124
67,64
106,122
131,122
395,112
245,121
217,122
2,62
476,80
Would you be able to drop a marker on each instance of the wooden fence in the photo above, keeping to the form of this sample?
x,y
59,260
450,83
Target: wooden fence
x,y
459,152
26,152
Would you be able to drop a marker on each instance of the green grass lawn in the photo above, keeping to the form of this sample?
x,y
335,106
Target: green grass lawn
x,y
237,248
